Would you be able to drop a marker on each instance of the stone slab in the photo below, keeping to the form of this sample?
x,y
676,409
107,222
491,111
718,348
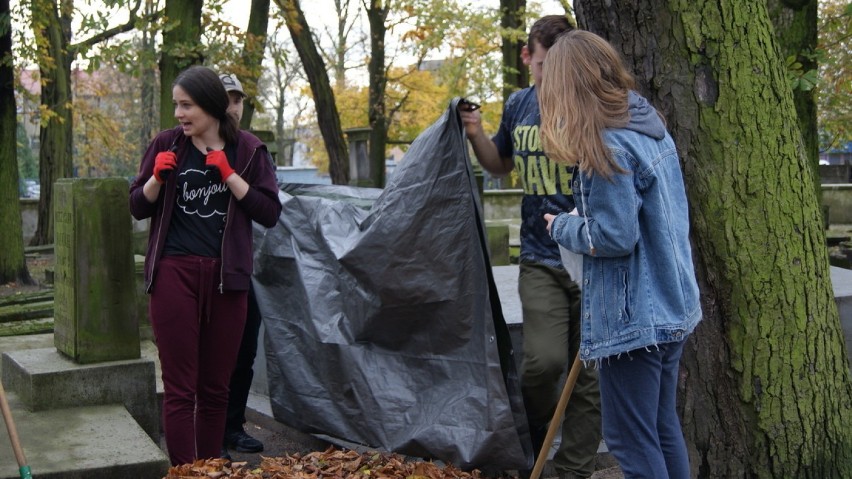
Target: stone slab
x,y
842,281
93,442
506,278
44,379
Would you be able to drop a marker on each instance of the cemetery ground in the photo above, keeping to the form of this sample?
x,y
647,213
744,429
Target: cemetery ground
x,y
279,440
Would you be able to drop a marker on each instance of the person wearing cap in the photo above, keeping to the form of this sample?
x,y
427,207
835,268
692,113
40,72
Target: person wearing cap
x,y
236,437
236,94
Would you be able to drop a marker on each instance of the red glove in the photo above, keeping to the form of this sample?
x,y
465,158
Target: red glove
x,y
218,159
164,163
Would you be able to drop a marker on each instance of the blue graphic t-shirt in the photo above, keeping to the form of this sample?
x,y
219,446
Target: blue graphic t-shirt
x,y
547,184
201,208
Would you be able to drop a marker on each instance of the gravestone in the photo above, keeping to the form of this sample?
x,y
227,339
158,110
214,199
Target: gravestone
x,y
95,315
360,171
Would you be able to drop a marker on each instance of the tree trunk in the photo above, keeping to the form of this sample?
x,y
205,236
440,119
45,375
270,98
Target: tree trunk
x,y
252,55
327,115
515,73
53,33
337,56
150,120
13,264
181,49
765,389
795,24
378,83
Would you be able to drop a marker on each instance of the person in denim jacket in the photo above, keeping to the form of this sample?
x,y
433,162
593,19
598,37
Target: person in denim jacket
x,y
640,299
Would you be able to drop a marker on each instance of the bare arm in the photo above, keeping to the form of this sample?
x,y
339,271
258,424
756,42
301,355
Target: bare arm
x,y
485,149
151,189
237,185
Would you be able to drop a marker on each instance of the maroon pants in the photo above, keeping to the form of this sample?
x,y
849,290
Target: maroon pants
x,y
198,332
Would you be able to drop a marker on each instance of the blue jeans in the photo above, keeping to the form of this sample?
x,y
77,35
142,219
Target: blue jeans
x,y
638,404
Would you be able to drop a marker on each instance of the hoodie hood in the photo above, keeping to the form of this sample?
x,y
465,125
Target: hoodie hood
x,y
643,117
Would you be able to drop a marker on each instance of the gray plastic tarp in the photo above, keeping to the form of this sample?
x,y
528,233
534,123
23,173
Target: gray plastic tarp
x,y
382,322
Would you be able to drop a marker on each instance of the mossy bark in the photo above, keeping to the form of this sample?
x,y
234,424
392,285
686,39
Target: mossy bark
x,y
515,73
26,298
252,56
52,27
23,312
31,326
795,23
766,389
181,49
377,15
13,265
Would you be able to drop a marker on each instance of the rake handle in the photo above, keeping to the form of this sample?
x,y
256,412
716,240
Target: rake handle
x,y
557,417
23,468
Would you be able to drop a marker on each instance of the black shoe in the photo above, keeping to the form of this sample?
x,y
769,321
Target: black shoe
x,y
223,454
240,441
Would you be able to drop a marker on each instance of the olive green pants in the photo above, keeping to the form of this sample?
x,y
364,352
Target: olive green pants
x,y
551,309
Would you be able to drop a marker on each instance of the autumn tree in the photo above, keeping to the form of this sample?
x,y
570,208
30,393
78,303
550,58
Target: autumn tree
x,y
181,49
248,64
766,384
51,24
377,14
515,73
107,119
148,91
414,96
835,86
458,30
315,70
280,92
13,264
343,40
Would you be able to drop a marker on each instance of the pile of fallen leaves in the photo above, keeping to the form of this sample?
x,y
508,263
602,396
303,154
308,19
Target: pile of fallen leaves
x,y
329,464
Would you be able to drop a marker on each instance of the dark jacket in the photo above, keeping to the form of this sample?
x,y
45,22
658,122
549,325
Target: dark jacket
x,y
261,204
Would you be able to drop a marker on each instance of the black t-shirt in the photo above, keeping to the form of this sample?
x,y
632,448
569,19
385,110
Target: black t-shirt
x,y
201,208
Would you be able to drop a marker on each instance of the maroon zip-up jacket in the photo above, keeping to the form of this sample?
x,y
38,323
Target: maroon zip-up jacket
x,y
260,204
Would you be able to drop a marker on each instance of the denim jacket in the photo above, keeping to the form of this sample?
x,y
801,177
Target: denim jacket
x,y
638,286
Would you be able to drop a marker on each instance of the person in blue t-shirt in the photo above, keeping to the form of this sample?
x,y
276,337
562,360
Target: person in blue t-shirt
x,y
549,298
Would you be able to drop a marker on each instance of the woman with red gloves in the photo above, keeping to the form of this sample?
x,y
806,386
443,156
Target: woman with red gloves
x,y
201,184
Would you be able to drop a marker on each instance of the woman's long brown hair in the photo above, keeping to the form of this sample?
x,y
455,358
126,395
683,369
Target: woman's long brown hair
x,y
583,91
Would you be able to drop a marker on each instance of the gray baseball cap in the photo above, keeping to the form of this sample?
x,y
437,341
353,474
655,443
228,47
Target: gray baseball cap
x,y
231,83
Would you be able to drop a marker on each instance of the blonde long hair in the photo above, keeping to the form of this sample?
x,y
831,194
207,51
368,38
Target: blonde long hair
x,y
583,91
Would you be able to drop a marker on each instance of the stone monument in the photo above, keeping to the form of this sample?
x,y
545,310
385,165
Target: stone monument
x,y
95,315
90,402
360,171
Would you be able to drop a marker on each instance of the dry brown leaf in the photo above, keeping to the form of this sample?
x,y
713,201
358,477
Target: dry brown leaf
x,y
329,464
